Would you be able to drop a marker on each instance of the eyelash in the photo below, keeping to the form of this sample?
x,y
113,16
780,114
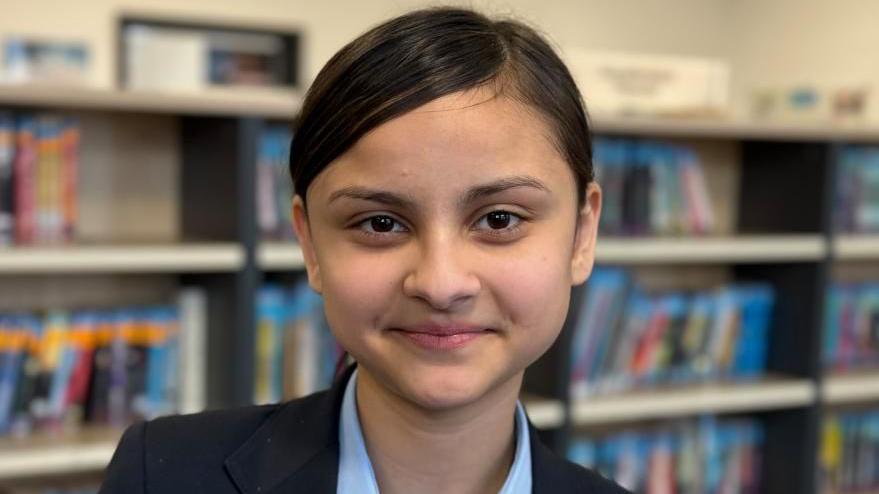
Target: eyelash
x,y
495,233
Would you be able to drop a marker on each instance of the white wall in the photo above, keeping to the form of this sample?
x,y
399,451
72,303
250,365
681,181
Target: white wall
x,y
693,26
768,41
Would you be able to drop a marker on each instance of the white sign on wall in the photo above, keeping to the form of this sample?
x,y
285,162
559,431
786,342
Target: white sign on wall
x,y
632,83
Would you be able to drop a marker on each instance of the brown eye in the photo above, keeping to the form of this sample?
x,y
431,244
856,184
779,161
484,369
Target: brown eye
x,y
382,224
498,220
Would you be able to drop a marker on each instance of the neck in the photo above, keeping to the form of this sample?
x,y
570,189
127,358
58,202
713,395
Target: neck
x,y
466,450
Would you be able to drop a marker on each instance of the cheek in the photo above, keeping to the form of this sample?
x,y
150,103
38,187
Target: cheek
x,y
357,291
534,292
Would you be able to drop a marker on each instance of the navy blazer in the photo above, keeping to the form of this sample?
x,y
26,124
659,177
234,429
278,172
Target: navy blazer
x,y
288,448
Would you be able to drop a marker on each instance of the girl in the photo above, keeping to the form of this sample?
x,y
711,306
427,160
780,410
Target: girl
x,y
445,206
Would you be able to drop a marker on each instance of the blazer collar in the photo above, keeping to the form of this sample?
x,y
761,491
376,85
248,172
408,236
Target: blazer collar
x,y
297,450
297,446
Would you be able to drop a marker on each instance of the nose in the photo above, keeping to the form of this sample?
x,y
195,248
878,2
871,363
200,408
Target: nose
x,y
441,274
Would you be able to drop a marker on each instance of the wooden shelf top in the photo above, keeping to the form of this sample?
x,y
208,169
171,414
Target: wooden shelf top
x,y
257,102
279,256
763,395
207,257
856,247
851,388
706,128
87,450
750,248
614,250
544,413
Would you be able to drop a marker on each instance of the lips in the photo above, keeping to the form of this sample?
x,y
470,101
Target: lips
x,y
443,336
444,329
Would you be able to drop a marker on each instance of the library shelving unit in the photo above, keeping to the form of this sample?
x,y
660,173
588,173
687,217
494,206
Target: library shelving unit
x,y
159,209
166,192
779,177
168,199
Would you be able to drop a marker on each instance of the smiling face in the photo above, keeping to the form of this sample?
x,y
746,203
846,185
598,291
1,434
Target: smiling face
x,y
445,243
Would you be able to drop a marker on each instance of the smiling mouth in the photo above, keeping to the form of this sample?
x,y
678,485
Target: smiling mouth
x,y
443,341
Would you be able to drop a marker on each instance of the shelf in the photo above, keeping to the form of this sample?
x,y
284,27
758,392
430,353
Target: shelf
x,y
257,102
705,128
694,400
88,450
752,249
851,388
279,256
856,247
694,250
186,258
544,414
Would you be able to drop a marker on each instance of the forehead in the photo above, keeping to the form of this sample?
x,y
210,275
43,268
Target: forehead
x,y
460,138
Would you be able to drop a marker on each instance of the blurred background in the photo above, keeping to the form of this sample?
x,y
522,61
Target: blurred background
x,y
727,342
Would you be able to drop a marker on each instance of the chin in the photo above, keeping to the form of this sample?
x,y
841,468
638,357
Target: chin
x,y
446,388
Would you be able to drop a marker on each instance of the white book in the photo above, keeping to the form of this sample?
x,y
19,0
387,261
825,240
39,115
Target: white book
x,y
165,59
192,305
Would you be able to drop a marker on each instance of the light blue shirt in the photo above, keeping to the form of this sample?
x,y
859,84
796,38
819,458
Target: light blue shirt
x,y
355,470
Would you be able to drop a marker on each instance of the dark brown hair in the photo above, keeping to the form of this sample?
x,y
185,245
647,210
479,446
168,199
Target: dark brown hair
x,y
418,57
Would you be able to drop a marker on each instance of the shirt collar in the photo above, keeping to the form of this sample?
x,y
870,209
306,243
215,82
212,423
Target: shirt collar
x,y
356,475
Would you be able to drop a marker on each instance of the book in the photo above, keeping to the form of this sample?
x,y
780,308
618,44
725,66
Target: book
x,y
274,186
296,353
849,450
625,338
39,161
701,455
7,160
62,368
851,332
651,188
857,189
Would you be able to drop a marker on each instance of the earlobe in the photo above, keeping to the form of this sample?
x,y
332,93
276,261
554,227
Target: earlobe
x,y
583,255
303,234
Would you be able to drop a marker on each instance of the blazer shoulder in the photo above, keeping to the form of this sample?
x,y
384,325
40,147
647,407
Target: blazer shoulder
x,y
216,431
553,471
592,482
181,453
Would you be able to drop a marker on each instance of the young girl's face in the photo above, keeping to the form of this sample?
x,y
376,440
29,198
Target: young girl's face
x,y
444,245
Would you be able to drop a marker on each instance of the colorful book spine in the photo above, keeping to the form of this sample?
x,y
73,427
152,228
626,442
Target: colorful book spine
x,y
25,186
7,190
849,454
295,352
651,188
274,185
39,156
624,338
706,455
111,366
857,190
851,335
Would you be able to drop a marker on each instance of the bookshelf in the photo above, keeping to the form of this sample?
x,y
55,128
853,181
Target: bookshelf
x,y
743,248
202,147
87,450
276,256
856,247
230,260
856,387
143,258
685,401
258,103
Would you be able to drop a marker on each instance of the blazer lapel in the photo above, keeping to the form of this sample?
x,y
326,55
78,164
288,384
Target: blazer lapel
x,y
549,473
296,450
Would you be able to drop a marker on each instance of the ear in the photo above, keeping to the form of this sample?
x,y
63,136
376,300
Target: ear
x,y
583,255
303,233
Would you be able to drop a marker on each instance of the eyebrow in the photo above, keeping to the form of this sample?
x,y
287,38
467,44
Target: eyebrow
x,y
406,200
